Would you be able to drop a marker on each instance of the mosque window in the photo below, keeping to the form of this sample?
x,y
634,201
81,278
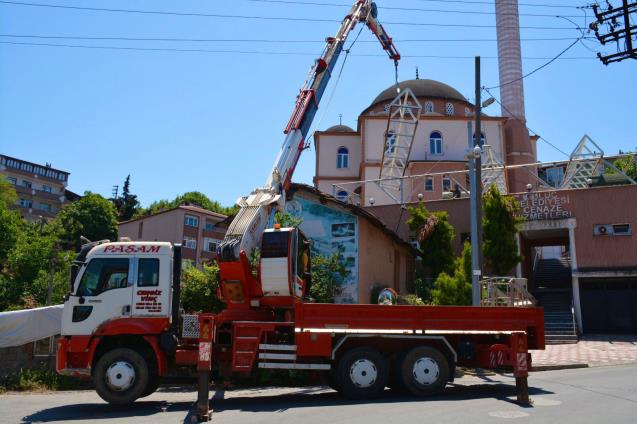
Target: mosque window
x,y
429,107
429,183
390,144
435,143
342,158
449,109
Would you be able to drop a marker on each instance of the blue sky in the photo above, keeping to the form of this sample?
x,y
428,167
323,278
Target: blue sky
x,y
181,121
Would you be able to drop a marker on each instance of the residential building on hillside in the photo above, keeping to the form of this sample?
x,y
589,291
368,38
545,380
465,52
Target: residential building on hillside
x,y
198,230
41,189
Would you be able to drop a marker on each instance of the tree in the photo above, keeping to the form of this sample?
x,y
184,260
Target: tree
x,y
500,226
455,289
627,164
127,204
435,234
328,273
35,254
286,220
10,221
195,198
199,289
93,217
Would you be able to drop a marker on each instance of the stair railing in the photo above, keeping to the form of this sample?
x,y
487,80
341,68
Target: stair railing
x,y
506,291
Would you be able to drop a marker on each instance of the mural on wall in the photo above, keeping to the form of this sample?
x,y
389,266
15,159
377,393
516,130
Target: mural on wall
x,y
331,230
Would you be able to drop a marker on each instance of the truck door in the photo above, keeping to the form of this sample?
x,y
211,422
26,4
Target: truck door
x,y
105,292
151,297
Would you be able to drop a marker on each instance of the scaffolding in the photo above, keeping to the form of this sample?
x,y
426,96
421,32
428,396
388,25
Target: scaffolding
x,y
404,112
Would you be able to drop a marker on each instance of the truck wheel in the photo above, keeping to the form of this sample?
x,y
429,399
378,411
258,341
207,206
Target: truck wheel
x,y
332,380
362,373
424,371
121,376
151,387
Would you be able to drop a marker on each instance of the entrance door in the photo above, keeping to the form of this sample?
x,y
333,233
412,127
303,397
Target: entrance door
x,y
104,292
609,306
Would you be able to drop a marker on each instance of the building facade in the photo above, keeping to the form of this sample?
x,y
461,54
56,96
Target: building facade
x,y
41,189
346,158
198,230
373,255
579,245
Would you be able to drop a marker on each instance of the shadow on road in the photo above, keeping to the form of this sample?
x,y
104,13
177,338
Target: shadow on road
x,y
256,401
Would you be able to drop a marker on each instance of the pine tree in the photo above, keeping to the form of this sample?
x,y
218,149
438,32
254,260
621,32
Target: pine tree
x,y
129,203
500,226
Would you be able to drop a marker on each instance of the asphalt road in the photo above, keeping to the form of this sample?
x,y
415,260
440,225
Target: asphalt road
x,y
593,395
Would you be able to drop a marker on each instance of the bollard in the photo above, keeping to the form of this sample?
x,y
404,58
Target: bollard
x,y
522,389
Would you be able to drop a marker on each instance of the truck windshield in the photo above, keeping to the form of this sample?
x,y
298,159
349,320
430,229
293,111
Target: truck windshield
x,y
102,275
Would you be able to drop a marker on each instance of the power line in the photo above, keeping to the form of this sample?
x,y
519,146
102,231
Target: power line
x,y
263,52
248,40
491,3
551,60
526,126
407,9
252,17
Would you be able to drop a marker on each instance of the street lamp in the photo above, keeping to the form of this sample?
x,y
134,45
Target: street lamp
x,y
529,187
420,196
372,201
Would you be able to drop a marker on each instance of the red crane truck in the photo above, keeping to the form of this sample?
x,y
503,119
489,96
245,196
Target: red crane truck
x,y
122,325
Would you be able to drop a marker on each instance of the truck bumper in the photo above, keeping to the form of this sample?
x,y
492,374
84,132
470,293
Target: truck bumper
x,y
62,365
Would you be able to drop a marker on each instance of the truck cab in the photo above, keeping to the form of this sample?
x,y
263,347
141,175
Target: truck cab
x,y
119,322
118,281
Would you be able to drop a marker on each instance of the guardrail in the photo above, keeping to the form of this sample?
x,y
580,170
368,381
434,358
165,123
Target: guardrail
x,y
505,291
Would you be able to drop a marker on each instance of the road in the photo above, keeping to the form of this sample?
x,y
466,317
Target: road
x,y
593,395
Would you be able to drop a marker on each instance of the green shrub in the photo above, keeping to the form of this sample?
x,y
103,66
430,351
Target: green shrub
x,y
38,379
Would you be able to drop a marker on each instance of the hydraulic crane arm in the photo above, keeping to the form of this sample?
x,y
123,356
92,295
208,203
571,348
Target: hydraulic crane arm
x,y
246,229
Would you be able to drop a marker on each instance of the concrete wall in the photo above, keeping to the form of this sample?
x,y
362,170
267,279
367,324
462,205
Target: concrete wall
x,y
382,262
327,149
605,205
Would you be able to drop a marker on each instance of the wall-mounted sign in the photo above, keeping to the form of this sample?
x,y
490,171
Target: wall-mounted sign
x,y
545,205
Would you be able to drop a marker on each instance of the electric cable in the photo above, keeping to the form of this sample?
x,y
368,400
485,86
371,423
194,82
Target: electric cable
x,y
252,17
262,52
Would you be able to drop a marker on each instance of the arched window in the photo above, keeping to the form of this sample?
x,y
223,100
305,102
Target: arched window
x,y
342,158
390,143
429,107
435,143
449,109
342,195
483,139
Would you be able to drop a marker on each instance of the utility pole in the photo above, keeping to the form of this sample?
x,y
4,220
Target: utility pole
x,y
620,29
477,210
475,246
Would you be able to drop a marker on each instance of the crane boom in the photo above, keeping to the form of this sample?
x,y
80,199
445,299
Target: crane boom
x,y
256,209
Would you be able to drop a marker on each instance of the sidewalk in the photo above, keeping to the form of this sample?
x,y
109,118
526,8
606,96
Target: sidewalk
x,y
592,351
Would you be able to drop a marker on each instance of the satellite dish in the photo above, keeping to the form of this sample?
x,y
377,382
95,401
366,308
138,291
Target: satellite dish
x,y
387,297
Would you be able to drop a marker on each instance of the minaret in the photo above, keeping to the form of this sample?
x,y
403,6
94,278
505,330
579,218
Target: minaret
x,y
518,145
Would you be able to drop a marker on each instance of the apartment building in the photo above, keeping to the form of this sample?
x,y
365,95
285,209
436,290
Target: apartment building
x,y
198,230
41,189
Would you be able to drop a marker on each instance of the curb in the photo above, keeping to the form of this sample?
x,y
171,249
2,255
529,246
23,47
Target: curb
x,y
558,367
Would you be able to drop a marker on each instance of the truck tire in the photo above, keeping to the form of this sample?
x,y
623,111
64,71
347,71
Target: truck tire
x,y
424,371
121,376
152,386
362,373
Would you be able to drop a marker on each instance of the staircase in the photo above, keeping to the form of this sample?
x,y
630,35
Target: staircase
x,y
559,322
553,273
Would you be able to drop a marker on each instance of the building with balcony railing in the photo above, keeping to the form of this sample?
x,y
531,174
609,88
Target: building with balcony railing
x,y
41,189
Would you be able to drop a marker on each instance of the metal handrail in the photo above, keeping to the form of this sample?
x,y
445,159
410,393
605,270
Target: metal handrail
x,y
505,291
